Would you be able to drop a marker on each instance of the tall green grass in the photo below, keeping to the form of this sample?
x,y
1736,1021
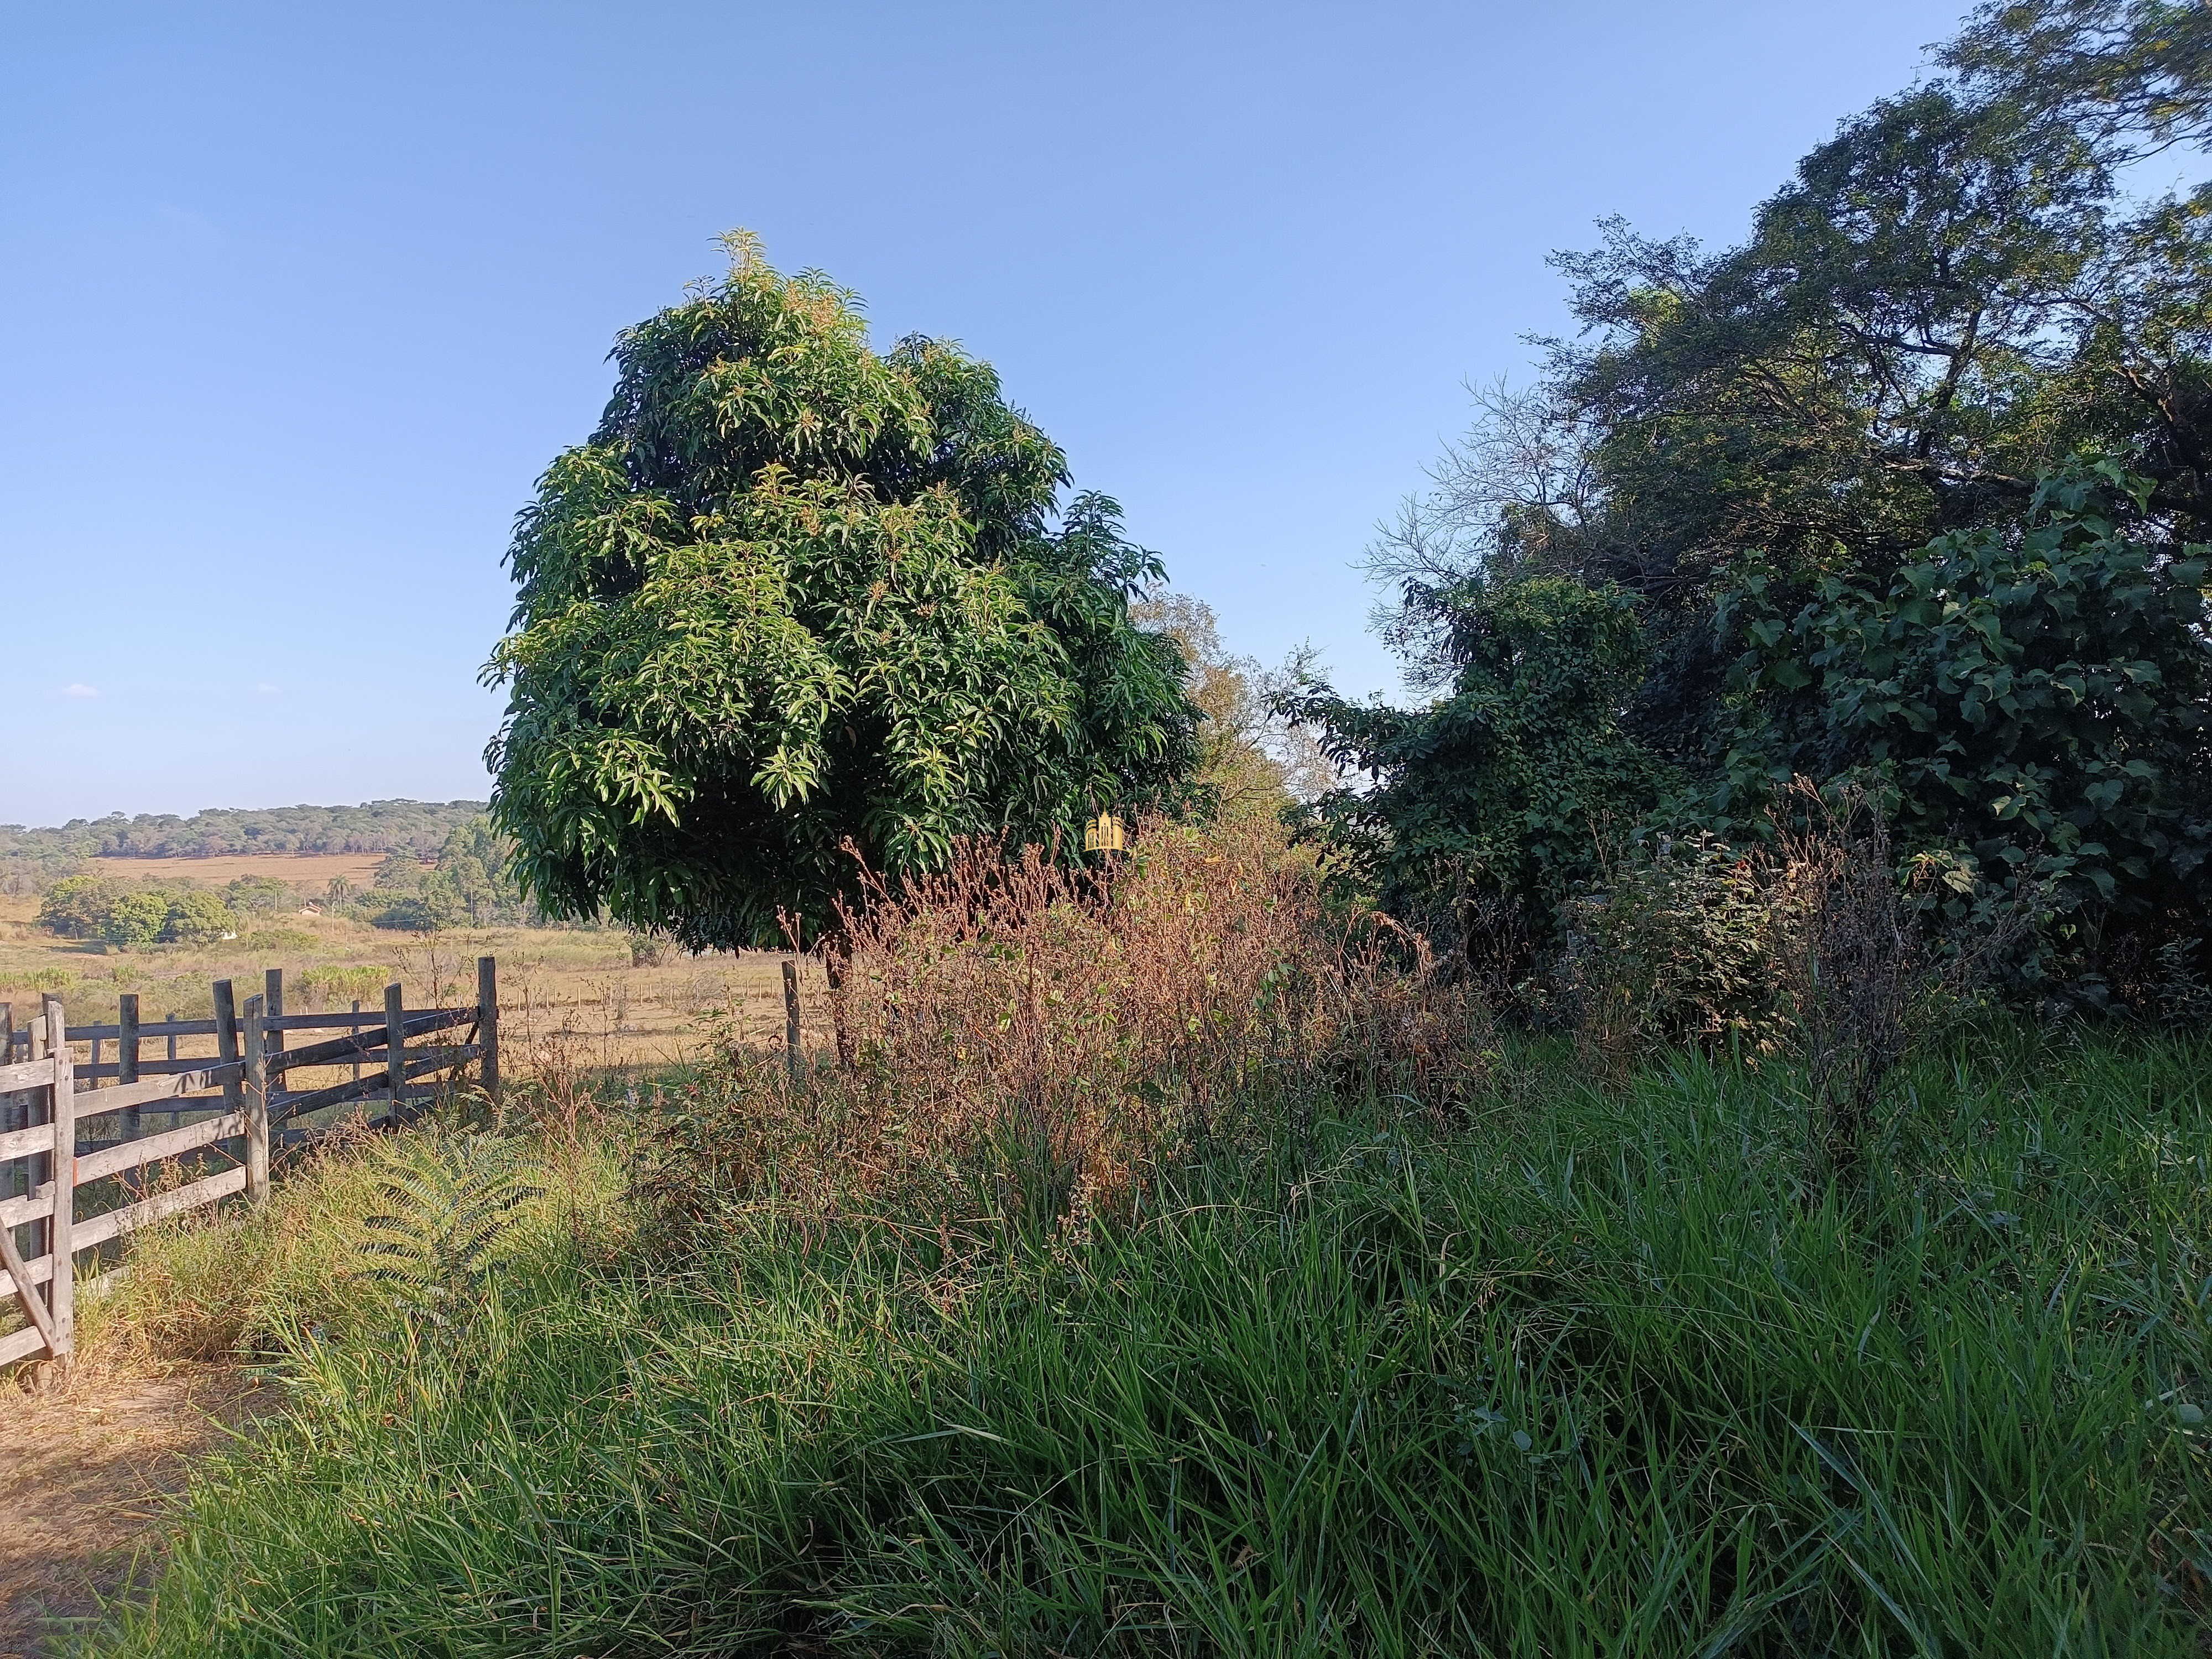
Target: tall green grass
x,y
1589,1373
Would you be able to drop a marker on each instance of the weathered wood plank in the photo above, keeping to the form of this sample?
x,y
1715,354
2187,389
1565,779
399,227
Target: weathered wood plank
x,y
14,1111
24,1143
32,1206
40,1268
151,1149
226,1043
284,1108
116,1222
345,1021
171,1029
156,1091
21,1345
337,1051
272,1009
126,1038
488,1025
20,1281
395,1045
61,1244
154,1068
257,1100
26,1074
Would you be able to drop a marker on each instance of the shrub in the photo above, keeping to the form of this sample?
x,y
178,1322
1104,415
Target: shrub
x,y
93,906
254,894
1038,1038
134,918
1679,945
414,913
2033,702
281,941
77,906
197,918
1488,796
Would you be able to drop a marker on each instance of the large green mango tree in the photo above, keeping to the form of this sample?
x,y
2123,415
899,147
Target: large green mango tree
x,y
797,604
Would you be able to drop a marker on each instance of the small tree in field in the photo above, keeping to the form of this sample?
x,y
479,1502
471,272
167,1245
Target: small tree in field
x,y
795,594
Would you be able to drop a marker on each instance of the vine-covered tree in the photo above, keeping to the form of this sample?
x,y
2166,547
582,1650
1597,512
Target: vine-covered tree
x,y
1912,489
795,594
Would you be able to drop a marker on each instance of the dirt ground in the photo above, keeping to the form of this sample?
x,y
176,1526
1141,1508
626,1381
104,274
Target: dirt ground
x,y
88,1470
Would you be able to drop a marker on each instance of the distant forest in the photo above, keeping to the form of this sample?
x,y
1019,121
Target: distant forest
x,y
33,860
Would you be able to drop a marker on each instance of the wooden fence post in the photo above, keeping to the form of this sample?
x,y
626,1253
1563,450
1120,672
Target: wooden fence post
x,y
272,1006
488,1025
38,1168
12,1116
791,1017
257,1104
61,1289
395,1059
226,1043
126,1056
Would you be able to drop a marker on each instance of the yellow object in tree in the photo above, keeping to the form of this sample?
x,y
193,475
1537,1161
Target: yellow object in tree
x,y
1106,834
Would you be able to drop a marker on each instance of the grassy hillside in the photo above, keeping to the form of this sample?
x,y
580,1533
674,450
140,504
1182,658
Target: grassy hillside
x,y
1582,1372
1177,1265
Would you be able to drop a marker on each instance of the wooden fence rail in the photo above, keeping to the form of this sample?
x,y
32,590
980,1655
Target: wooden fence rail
x,y
48,1101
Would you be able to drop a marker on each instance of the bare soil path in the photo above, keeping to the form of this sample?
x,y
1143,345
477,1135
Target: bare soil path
x,y
88,1471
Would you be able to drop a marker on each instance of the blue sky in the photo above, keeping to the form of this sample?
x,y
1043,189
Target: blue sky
x,y
298,300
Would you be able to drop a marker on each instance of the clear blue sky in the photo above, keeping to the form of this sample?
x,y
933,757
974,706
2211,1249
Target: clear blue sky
x,y
298,301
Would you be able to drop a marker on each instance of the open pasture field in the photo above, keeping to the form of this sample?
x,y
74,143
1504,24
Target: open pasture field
x,y
569,992
311,873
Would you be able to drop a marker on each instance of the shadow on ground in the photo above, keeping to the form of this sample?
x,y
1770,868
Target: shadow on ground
x,y
88,1469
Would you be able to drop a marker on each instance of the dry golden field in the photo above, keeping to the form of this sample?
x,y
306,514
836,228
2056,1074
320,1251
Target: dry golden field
x,y
570,993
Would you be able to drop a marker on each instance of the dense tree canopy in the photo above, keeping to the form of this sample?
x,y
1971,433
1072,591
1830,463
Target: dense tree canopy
x,y
1505,785
794,593
1909,488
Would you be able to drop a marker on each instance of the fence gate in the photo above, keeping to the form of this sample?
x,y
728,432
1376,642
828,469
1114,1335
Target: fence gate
x,y
61,1129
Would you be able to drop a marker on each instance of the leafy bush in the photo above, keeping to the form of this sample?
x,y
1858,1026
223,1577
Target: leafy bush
x,y
2036,704
77,906
128,916
254,895
1499,790
281,941
197,918
469,883
414,913
2029,703
1677,944
135,917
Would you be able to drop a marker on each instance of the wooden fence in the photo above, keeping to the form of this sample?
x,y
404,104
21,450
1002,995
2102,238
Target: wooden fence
x,y
91,1116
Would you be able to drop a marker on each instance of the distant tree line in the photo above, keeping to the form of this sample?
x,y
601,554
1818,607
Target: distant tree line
x,y
467,881
32,859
